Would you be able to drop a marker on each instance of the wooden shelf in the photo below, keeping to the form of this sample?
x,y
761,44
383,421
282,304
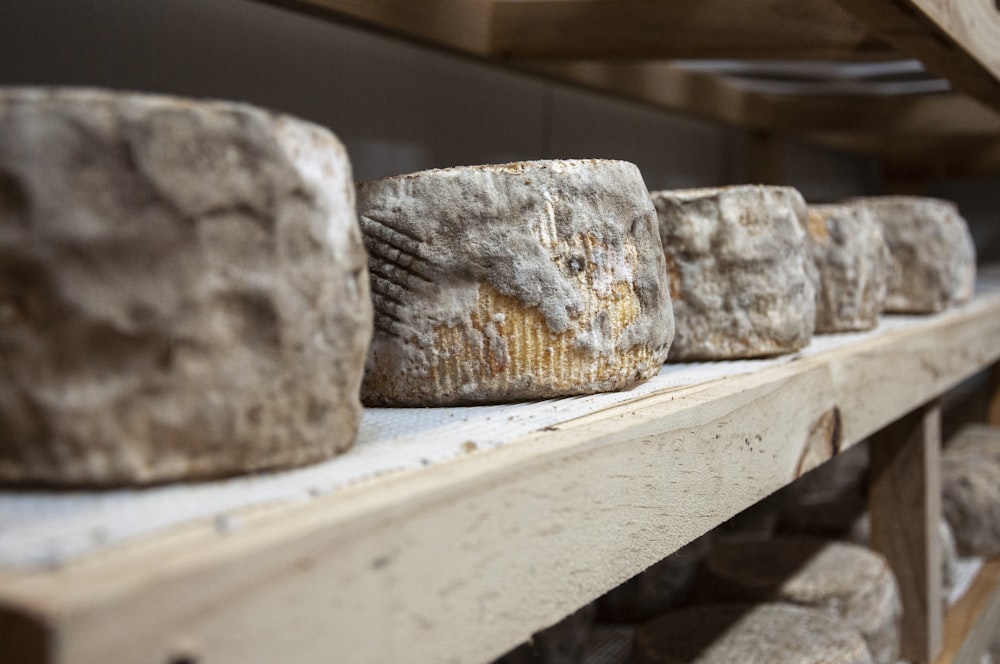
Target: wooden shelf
x,y
463,559
637,49
974,621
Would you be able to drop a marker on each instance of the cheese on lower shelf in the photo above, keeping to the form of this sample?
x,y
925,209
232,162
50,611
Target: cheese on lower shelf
x,y
970,489
844,580
771,633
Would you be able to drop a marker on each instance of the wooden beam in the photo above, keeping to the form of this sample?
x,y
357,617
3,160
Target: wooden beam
x,y
918,157
670,86
954,39
463,559
974,621
681,29
905,503
993,409
462,25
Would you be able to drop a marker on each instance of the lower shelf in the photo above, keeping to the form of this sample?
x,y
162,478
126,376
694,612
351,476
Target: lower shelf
x,y
462,559
974,621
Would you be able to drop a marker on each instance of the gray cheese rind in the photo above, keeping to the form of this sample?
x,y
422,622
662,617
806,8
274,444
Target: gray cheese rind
x,y
853,263
970,487
932,252
528,231
844,580
771,633
183,290
741,278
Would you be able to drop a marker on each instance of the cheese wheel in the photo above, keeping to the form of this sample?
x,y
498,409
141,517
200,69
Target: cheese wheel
x,y
852,261
772,633
517,281
183,290
844,580
932,254
970,489
740,277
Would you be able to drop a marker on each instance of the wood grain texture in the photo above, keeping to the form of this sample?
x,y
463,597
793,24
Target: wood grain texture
x,y
905,505
955,39
954,44
993,409
461,25
684,29
666,85
460,561
919,158
974,620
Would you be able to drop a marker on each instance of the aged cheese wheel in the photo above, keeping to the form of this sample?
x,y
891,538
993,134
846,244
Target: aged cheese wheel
x,y
663,586
740,276
844,580
183,290
970,489
516,281
932,254
853,265
771,633
861,533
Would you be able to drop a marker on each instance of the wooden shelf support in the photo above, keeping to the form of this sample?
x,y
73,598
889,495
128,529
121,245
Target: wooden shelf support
x,y
681,29
974,621
905,502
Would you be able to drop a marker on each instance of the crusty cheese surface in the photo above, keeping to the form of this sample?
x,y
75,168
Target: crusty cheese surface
x,y
844,580
852,261
932,253
516,281
741,280
183,290
970,488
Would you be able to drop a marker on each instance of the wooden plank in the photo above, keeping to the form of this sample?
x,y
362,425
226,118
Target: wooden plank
x,y
462,25
954,39
681,29
920,157
993,409
905,505
462,560
669,86
974,621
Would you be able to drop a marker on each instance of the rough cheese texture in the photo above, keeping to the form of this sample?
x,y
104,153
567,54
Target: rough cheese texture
x,y
663,586
844,580
740,276
183,290
516,281
932,253
970,489
852,260
773,633
832,501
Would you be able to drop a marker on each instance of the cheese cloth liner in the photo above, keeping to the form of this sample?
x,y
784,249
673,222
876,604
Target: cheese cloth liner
x,y
46,529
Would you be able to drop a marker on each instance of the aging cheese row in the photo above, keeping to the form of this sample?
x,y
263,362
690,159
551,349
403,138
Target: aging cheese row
x,y
188,289
789,599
